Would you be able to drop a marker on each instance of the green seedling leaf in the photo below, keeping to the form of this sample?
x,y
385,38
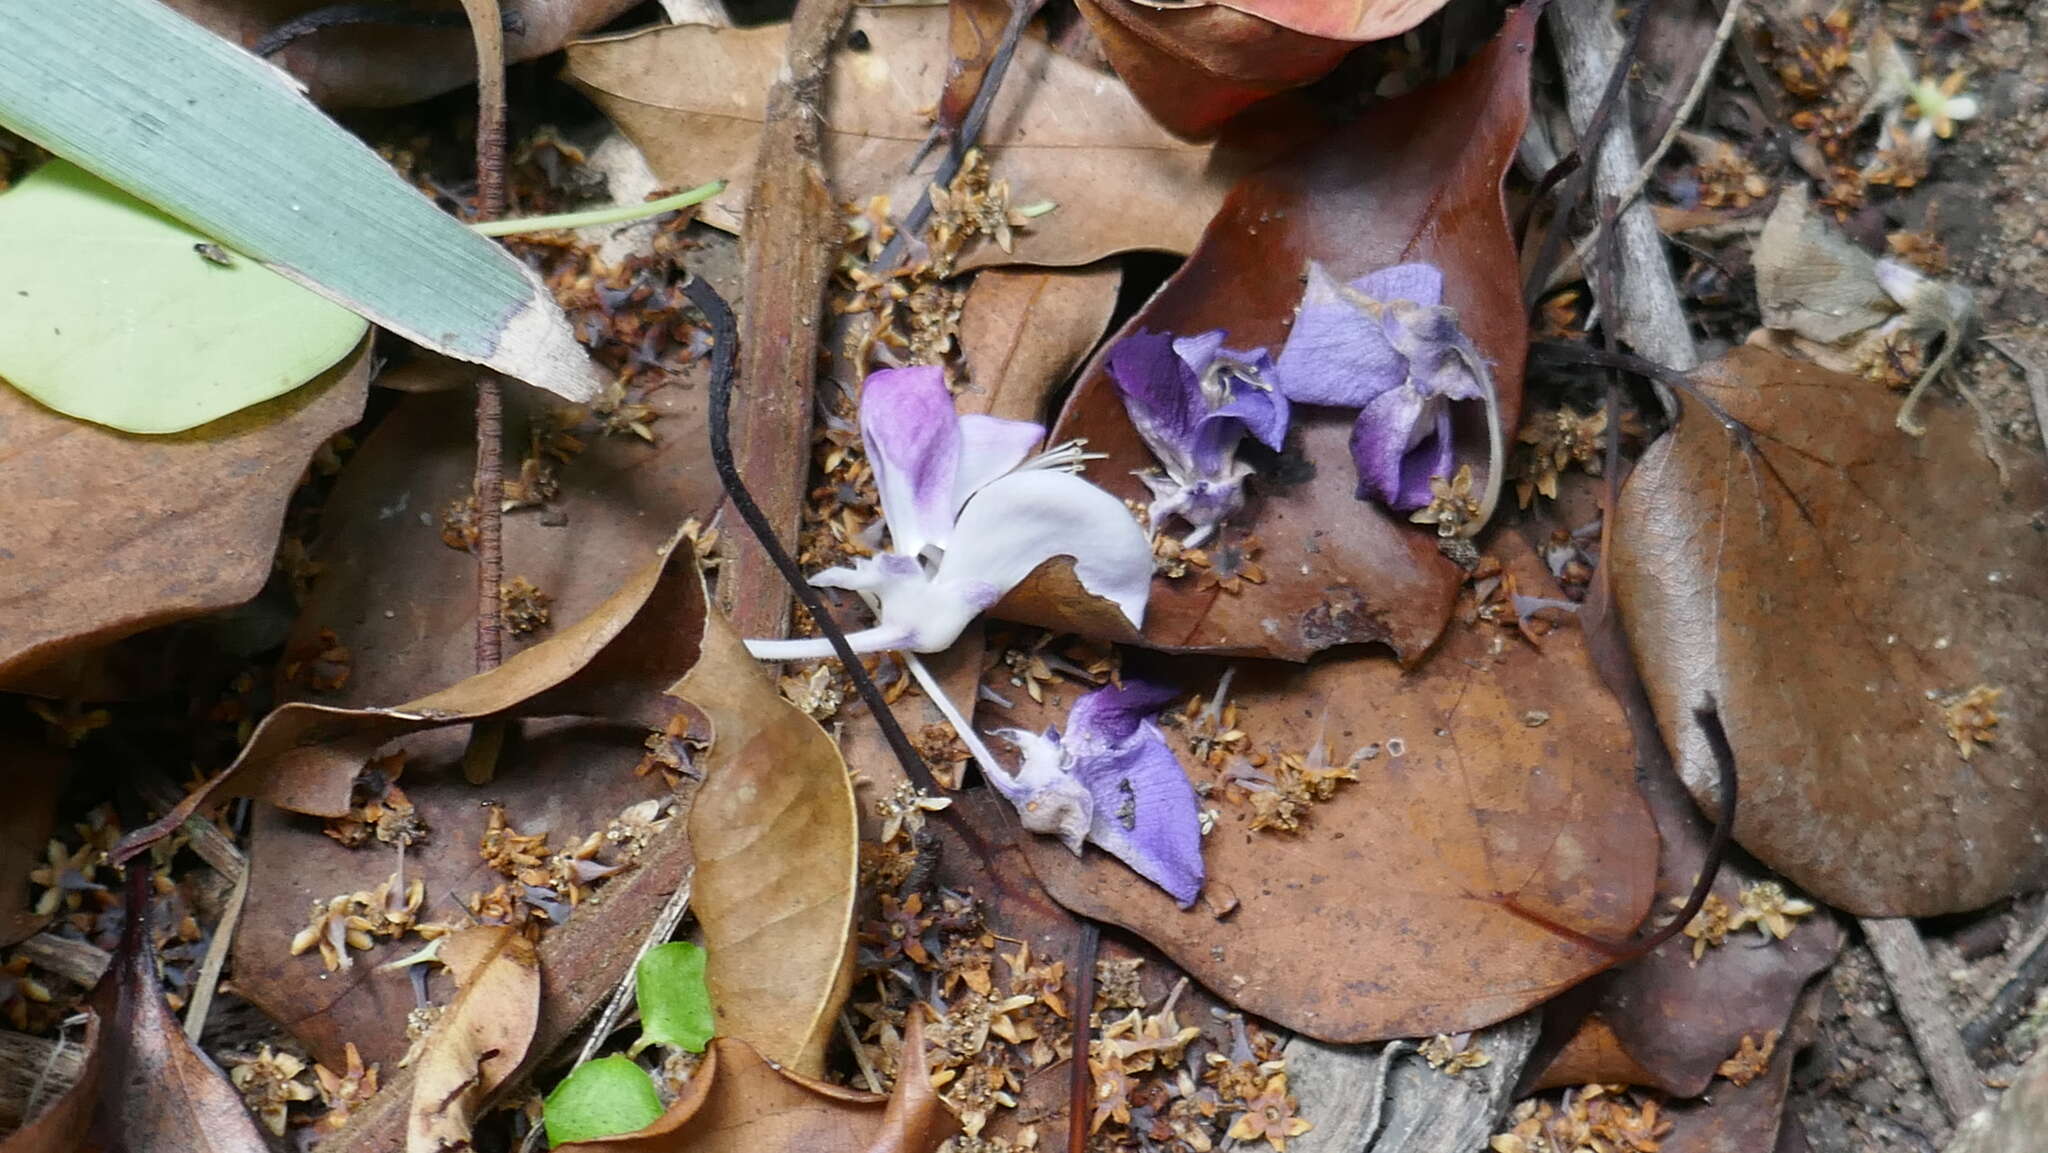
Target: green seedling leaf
x,y
601,1098
117,314
159,107
675,1003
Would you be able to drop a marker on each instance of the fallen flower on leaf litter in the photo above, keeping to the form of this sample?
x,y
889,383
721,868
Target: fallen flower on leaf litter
x,y
961,489
1111,779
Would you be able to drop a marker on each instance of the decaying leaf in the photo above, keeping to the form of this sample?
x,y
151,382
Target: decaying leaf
x,y
382,66
691,98
739,1102
1196,66
144,1088
481,1037
776,839
1338,19
305,757
1834,591
1386,189
1023,332
1468,874
109,534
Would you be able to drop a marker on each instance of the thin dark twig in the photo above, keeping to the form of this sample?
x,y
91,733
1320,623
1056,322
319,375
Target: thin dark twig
x,y
1586,151
2010,1003
971,125
1708,717
1080,1082
1545,184
305,24
725,337
489,483
1564,352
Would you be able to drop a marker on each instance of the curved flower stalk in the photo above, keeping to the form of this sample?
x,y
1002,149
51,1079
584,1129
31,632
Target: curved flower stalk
x,y
1386,345
1112,780
970,514
1193,401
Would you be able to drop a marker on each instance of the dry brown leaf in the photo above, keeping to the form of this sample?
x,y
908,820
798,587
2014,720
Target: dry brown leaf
x,y
1338,19
1194,67
382,66
1023,332
1454,885
481,1038
1834,592
739,1102
109,533
691,98
305,757
777,841
144,1088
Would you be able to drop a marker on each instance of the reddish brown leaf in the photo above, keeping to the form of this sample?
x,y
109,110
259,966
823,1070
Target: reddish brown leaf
x,y
1832,592
1395,186
777,842
1452,886
481,1037
143,1088
1194,67
737,1102
1748,1116
109,533
1338,19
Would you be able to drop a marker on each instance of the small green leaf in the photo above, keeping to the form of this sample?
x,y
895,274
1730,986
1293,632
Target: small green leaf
x,y
675,1004
603,1098
112,312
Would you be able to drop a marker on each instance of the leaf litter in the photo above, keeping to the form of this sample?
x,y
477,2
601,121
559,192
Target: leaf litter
x,y
1462,811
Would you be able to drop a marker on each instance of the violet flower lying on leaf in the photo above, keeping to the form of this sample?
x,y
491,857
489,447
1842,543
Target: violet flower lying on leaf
x,y
1193,401
969,517
1111,779
1386,345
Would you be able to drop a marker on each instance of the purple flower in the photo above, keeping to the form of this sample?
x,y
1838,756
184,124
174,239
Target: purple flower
x,y
969,517
1386,345
1193,400
1112,780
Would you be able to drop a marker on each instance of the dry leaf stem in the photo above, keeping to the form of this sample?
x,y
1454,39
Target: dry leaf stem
x,y
1080,1085
486,24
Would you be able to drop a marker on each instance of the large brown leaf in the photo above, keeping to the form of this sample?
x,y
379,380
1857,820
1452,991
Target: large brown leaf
x,y
1024,331
738,1102
1831,591
109,533
144,1088
1338,19
305,757
1452,886
777,842
1416,179
691,98
481,1037
1194,67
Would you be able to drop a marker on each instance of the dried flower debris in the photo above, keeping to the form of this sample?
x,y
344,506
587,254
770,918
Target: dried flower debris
x,y
270,1083
1750,1059
1764,904
1971,718
1452,1055
1594,1119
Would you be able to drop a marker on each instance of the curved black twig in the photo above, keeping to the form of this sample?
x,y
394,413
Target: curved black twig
x,y
1708,717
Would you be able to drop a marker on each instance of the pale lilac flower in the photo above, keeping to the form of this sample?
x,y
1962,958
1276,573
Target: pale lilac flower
x,y
1193,401
1111,779
969,517
1386,345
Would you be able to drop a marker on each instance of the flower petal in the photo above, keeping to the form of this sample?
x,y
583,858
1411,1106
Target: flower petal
x,y
1387,428
912,436
1047,797
1019,521
1162,395
1262,412
1421,283
1109,716
1146,814
989,447
1338,354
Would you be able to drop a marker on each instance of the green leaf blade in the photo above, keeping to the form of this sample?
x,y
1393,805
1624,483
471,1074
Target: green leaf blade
x,y
675,1002
602,1098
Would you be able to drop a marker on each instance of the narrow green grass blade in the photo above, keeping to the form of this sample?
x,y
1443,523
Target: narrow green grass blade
x,y
111,312
159,107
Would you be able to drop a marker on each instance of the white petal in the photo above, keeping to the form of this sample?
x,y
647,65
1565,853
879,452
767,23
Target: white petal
x,y
989,447
1022,520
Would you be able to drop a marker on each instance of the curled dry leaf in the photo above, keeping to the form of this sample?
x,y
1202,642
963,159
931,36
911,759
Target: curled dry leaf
x,y
481,1038
1392,187
110,533
691,98
739,1102
305,757
1338,19
1023,332
144,1088
1194,67
385,65
1843,592
777,842
1667,1020
1453,886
